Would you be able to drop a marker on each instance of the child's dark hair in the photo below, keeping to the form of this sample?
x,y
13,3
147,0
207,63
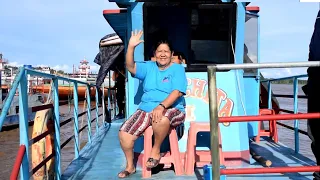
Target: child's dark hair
x,y
179,54
163,41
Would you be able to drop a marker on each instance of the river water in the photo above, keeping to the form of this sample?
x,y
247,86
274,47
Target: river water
x,y
9,140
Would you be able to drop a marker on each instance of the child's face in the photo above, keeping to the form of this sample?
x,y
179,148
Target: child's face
x,y
175,59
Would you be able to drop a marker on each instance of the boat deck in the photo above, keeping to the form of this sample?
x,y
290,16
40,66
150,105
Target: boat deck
x,y
103,159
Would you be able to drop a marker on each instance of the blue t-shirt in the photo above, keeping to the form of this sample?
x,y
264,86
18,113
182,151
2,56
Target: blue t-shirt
x,y
158,84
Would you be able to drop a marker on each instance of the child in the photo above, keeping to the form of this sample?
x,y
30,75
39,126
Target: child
x,y
178,58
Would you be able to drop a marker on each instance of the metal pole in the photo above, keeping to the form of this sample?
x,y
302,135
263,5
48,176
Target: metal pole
x,y
109,95
103,106
97,110
8,100
214,133
76,120
270,170
89,112
269,95
290,117
296,122
57,144
23,124
220,67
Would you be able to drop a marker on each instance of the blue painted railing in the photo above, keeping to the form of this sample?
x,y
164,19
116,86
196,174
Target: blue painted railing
x,y
295,102
21,82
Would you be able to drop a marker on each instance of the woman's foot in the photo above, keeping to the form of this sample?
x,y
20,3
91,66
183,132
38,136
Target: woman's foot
x,y
127,172
154,158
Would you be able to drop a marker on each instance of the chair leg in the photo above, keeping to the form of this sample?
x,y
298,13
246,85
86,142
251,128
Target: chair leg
x,y
146,172
174,147
275,131
220,150
191,151
257,138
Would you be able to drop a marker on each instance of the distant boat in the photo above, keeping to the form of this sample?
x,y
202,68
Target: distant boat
x,y
12,119
66,91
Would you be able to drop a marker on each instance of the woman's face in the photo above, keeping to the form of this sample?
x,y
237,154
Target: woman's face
x,y
163,55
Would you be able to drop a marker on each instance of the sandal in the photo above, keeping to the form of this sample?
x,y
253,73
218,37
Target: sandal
x,y
155,162
126,174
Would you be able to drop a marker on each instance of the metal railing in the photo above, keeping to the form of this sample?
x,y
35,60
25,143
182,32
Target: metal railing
x,y
213,109
295,103
22,159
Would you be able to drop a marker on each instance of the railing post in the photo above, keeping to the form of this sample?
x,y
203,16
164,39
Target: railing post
x,y
269,95
109,101
109,95
103,107
11,94
214,124
116,110
23,124
296,122
57,143
76,120
89,113
97,110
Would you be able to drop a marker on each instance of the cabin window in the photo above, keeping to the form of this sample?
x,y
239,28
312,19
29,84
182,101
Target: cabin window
x,y
204,33
211,30
251,43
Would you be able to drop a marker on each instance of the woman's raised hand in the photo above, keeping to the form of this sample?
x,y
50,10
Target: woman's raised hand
x,y
135,38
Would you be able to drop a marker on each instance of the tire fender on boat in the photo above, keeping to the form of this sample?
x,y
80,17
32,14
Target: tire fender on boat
x,y
43,122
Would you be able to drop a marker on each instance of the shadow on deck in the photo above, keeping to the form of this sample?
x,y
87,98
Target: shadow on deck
x,y
104,159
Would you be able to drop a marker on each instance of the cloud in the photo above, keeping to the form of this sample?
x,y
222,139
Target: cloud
x,y
66,67
41,65
42,32
94,67
16,64
283,72
63,67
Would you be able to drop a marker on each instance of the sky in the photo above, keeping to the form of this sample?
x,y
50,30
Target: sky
x,y
61,33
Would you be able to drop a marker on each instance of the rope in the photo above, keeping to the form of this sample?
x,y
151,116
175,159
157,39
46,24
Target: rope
x,y
238,80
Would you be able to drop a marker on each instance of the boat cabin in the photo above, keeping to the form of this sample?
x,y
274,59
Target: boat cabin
x,y
205,32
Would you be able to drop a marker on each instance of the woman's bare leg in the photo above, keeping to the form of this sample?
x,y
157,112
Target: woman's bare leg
x,y
127,142
160,131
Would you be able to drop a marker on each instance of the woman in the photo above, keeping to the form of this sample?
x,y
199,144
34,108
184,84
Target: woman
x,y
164,84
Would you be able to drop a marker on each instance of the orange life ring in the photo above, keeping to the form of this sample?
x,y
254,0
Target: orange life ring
x,y
43,121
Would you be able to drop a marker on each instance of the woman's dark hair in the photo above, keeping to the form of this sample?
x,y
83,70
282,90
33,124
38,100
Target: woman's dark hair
x,y
163,41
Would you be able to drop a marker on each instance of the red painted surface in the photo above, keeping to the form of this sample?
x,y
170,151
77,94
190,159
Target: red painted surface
x,y
270,170
269,117
231,158
253,8
114,11
272,132
17,163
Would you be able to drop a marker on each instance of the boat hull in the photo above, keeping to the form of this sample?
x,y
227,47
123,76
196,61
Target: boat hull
x,y
66,92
